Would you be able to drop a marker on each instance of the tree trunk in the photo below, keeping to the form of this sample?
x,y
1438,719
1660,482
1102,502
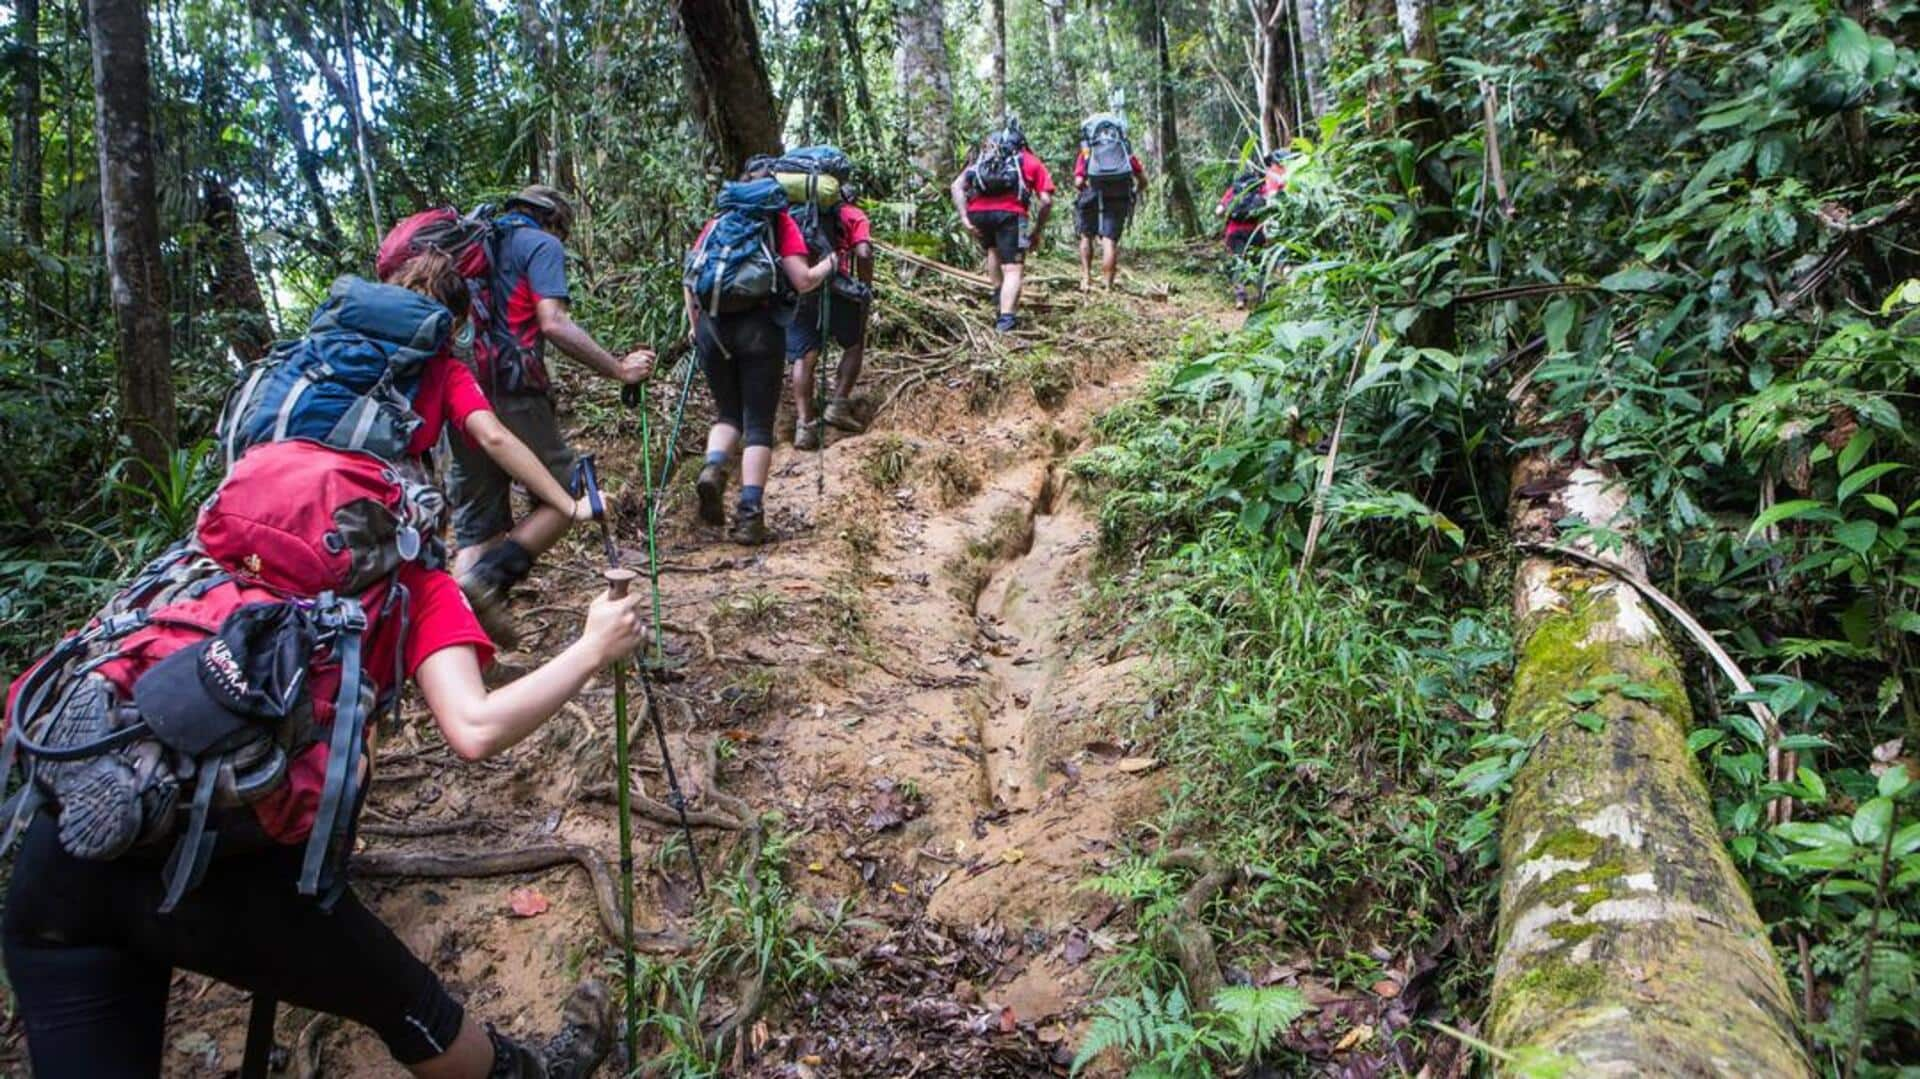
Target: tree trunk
x,y
124,134
857,64
1313,54
306,161
1627,941
28,173
236,291
730,86
999,15
347,96
925,87
1273,52
1179,190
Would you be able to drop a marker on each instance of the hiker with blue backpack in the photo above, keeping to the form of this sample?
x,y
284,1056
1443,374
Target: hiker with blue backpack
x,y
515,263
1108,177
742,282
1003,198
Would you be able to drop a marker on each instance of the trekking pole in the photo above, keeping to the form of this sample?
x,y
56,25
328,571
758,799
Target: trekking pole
x,y
617,581
820,390
256,1061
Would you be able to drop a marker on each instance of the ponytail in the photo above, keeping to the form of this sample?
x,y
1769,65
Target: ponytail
x,y
431,273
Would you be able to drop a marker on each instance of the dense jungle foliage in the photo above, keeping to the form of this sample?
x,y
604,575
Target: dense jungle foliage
x,y
1679,240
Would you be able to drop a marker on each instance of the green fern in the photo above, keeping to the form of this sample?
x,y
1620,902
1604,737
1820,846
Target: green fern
x,y
1258,1016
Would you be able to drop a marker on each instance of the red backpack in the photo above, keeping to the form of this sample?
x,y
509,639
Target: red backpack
x,y
319,532
502,362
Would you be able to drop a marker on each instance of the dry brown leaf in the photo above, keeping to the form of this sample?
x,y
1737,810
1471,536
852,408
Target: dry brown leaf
x,y
1359,1035
527,902
1386,989
1139,764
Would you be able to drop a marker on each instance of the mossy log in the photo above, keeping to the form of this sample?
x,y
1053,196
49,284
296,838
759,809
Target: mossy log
x,y
1627,941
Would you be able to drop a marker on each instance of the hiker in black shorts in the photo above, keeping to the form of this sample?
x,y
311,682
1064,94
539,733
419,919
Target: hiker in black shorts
x,y
1110,179
992,197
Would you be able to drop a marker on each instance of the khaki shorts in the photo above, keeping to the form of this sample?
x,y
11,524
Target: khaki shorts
x,y
481,491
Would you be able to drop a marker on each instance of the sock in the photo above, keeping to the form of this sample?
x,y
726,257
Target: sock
x,y
750,496
716,457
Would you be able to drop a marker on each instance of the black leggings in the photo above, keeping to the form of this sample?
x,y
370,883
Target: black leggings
x,y
90,958
742,356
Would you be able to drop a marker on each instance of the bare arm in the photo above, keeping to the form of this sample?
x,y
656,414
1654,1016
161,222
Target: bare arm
x,y
959,193
558,327
863,262
479,723
1042,206
805,278
513,457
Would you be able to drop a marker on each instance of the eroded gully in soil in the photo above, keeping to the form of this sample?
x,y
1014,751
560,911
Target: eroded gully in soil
x,y
908,679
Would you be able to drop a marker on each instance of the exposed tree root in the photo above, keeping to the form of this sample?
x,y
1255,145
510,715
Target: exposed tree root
x,y
306,1047
1185,938
432,865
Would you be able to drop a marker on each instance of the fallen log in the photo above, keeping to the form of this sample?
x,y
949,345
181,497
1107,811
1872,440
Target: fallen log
x,y
1627,942
925,263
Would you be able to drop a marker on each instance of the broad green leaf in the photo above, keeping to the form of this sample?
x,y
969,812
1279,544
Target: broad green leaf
x,y
1892,782
1704,737
1906,841
1856,536
1558,322
1855,449
1639,279
1812,834
1820,858
1863,477
1849,47
1783,511
1816,787
1871,821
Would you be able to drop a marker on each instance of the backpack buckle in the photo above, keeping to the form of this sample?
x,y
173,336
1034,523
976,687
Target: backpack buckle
x,y
340,614
122,624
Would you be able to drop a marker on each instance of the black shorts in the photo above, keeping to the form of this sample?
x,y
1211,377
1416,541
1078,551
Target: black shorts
x,y
846,319
90,958
1002,231
1240,242
1104,212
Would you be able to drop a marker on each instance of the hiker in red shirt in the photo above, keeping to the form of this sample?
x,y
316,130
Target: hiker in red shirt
x,y
847,314
993,196
1108,177
450,396
89,955
1243,204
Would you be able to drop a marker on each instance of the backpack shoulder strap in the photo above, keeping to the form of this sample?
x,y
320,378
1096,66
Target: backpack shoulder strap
x,y
345,619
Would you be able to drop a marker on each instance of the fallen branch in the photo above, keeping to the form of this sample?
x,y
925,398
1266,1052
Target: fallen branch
x,y
436,866
958,274
1319,519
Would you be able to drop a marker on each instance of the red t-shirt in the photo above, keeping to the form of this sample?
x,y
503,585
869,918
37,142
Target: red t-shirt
x,y
787,237
1080,166
1034,179
448,394
1271,184
855,229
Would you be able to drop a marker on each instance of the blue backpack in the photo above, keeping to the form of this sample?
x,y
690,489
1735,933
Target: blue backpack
x,y
350,382
735,266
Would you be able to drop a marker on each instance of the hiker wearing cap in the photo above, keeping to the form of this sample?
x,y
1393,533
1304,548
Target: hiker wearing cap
x,y
528,284
743,278
851,238
1108,177
1003,198
1244,205
196,755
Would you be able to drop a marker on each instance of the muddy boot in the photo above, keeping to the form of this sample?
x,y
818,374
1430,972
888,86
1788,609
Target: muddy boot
x,y
511,1060
749,526
586,1033
488,586
840,414
712,489
806,436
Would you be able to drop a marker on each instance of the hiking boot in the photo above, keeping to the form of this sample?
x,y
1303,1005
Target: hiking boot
x,y
712,487
586,1033
1005,323
489,602
806,436
840,414
511,1060
749,526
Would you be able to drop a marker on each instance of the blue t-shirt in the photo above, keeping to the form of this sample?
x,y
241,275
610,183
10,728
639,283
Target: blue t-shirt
x,y
530,266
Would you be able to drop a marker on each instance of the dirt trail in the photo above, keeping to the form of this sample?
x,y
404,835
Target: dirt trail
x,y
907,681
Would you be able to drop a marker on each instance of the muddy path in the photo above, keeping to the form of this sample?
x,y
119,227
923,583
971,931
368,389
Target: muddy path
x,y
909,690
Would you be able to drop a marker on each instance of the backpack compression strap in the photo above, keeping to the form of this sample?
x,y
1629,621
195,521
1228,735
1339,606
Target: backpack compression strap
x,y
345,621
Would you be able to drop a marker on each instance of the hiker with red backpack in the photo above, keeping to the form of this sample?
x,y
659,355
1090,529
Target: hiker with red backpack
x,y
516,264
1003,198
818,180
194,759
741,283
1244,205
1108,177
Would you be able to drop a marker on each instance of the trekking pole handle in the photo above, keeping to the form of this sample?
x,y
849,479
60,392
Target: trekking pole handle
x,y
618,581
